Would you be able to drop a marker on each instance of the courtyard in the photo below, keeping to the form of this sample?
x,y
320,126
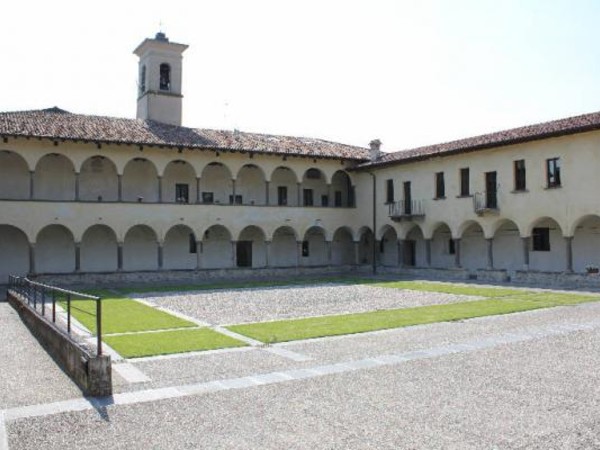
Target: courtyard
x,y
495,379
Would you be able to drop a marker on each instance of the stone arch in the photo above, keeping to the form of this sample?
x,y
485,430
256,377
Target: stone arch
x,y
442,249
473,247
140,181
388,246
283,187
507,246
314,188
365,245
54,178
217,250
98,179
314,250
284,247
343,247
251,185
251,247
216,184
551,258
140,249
54,250
179,182
14,176
586,242
342,190
13,242
99,249
179,248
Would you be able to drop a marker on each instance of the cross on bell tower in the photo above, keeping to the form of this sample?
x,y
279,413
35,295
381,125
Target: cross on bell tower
x,y
159,87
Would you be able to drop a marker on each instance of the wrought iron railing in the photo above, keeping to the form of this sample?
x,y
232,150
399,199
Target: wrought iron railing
x,y
403,209
40,296
484,201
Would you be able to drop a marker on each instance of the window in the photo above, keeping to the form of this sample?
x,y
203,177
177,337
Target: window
x,y
238,200
337,199
351,196
282,195
464,182
451,247
193,246
519,169
440,188
305,248
389,191
182,194
165,77
308,197
208,197
553,172
143,80
324,200
541,239
313,174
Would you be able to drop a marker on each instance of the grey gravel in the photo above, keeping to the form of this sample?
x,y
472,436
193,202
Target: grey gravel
x,y
260,304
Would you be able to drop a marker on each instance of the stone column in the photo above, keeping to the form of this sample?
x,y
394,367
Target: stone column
x,y
31,183
569,253
490,253
525,242
377,256
160,199
329,252
234,252
198,255
267,193
299,194
76,186
120,187
330,198
400,261
457,253
267,253
428,252
32,258
160,255
299,253
77,256
233,191
119,256
356,252
197,189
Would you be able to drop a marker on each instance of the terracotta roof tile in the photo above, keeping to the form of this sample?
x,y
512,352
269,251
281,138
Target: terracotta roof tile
x,y
55,123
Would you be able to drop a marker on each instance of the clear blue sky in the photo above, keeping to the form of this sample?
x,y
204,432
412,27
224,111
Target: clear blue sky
x,y
408,72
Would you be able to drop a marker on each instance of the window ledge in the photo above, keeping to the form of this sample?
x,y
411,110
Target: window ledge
x,y
520,191
464,196
439,198
558,186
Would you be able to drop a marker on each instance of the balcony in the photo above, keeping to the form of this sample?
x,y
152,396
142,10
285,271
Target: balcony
x,y
485,203
406,210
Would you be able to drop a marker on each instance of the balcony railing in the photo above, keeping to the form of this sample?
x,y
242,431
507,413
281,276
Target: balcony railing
x,y
403,210
485,202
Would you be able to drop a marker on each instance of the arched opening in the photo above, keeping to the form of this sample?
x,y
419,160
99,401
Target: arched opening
x,y
507,247
251,248
179,249
314,188
388,248
343,247
341,188
215,184
14,176
13,243
414,249
250,186
99,249
179,183
55,250
473,248
314,248
140,181
140,249
547,249
283,189
217,248
98,180
365,246
586,243
443,251
54,178
284,248
165,77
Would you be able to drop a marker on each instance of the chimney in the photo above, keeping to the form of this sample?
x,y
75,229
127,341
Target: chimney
x,y
375,151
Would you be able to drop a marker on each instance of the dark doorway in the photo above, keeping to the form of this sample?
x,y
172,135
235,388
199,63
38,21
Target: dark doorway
x,y
244,253
410,253
491,191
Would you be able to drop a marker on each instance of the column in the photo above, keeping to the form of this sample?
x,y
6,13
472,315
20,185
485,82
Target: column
x,y
377,256
329,252
31,184
76,186
267,193
159,189
428,252
234,253
298,194
525,241
119,256
120,187
356,252
457,253
197,189
32,258
569,253
400,253
330,199
490,253
267,253
298,253
233,191
77,256
198,255
160,255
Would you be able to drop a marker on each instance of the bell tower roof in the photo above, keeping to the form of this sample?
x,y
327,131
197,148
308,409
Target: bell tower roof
x,y
159,42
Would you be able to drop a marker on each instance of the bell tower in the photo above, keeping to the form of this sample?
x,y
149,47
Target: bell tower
x,y
159,88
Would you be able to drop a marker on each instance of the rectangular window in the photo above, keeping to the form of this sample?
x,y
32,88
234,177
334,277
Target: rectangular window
x,y
540,238
208,197
337,199
324,200
182,193
389,191
519,169
464,182
305,248
351,196
193,246
553,172
451,247
238,200
308,197
282,195
440,187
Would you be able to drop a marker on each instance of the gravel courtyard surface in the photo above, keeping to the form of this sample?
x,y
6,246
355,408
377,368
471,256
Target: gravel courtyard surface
x,y
263,304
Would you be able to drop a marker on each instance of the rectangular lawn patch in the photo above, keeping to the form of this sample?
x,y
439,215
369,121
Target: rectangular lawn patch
x,y
167,342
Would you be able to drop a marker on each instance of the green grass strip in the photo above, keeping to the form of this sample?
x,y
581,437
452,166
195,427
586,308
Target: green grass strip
x,y
290,330
167,342
122,315
451,288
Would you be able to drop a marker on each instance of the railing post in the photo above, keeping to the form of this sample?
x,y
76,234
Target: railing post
x,y
69,313
43,302
34,297
53,306
99,325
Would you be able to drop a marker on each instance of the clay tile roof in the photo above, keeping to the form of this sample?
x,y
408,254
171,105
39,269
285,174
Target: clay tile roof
x,y
58,124
561,127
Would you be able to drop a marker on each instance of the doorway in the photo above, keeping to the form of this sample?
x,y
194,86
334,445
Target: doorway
x,y
244,253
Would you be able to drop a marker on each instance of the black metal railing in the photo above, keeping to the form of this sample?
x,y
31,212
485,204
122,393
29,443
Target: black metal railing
x,y
38,295
485,201
403,209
